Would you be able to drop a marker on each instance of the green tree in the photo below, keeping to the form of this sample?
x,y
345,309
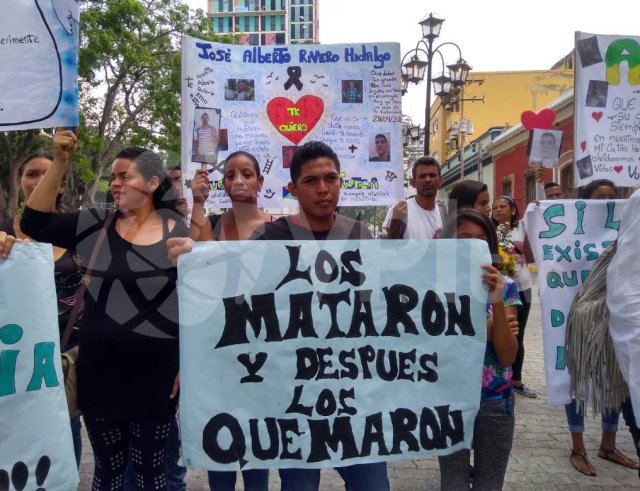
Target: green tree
x,y
129,84
129,78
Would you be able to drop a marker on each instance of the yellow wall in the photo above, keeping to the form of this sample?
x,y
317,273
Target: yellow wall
x,y
506,96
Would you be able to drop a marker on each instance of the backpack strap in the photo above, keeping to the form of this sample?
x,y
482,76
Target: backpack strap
x,y
85,281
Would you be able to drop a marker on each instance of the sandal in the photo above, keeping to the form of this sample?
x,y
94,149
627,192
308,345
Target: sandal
x,y
588,470
618,457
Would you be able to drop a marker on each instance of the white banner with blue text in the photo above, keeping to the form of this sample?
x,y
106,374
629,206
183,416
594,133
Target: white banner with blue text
x,y
566,237
36,450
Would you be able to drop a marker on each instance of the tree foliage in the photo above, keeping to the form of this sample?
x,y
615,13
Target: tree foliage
x,y
129,83
129,74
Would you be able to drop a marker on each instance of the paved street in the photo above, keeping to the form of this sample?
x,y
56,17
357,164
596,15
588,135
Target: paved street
x,y
540,456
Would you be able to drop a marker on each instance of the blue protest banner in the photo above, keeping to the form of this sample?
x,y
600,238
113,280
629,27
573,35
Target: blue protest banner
x,y
319,354
36,449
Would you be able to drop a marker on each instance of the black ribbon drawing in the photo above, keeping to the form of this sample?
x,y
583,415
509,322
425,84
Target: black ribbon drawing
x,y
294,72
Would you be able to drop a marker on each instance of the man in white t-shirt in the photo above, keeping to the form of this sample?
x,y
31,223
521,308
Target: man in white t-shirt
x,y
421,216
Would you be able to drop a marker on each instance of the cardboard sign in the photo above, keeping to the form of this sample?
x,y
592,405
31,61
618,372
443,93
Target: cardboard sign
x,y
272,99
607,109
36,449
320,354
38,64
566,237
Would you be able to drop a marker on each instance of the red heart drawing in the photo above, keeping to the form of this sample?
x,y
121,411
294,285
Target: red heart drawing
x,y
542,120
583,145
596,115
618,168
294,120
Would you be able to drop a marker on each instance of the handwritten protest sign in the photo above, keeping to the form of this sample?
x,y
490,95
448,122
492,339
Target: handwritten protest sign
x,y
273,98
607,109
36,450
38,64
566,237
317,354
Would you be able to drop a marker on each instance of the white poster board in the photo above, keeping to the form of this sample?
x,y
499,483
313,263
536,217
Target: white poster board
x,y
321,354
36,449
607,109
38,64
274,98
566,237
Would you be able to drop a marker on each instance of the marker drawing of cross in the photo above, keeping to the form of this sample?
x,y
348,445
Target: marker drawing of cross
x,y
353,148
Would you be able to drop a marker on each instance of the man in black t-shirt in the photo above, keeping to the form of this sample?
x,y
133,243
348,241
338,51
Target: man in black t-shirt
x,y
315,182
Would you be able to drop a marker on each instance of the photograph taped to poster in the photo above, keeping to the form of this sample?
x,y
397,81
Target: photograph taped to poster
x,y
206,135
607,109
566,237
272,98
544,147
306,354
38,64
36,448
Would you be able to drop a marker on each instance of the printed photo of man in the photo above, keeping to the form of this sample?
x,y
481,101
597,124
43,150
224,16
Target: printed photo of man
x,y
545,147
379,148
206,136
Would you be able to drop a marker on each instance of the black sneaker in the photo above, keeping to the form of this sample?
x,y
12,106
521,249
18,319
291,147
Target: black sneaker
x,y
523,390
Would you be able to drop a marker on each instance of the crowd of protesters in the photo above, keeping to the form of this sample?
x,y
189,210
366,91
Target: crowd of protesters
x,y
131,306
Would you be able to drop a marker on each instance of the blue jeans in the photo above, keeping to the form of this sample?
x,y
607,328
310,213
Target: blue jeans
x,y
76,434
176,474
254,480
358,477
576,420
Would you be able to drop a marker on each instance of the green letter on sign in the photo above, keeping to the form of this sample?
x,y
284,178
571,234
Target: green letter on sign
x,y
9,334
43,367
555,229
560,365
619,51
557,318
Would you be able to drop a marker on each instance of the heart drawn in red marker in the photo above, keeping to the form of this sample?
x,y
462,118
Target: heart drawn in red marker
x,y
596,115
618,168
294,120
583,145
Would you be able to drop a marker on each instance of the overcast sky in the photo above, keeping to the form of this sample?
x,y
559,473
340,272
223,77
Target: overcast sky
x,y
494,35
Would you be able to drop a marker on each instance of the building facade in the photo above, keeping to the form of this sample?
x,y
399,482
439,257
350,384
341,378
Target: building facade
x,y
465,126
264,22
492,99
512,174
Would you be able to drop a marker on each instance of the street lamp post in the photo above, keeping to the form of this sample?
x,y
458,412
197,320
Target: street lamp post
x,y
414,69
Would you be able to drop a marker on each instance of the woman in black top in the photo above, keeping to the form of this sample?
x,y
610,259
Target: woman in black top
x,y
128,360
242,183
66,272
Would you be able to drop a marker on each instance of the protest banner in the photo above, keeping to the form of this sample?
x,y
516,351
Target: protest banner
x,y
320,354
38,64
566,237
270,99
36,449
607,109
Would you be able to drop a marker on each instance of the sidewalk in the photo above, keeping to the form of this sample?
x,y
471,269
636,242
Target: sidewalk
x,y
539,459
